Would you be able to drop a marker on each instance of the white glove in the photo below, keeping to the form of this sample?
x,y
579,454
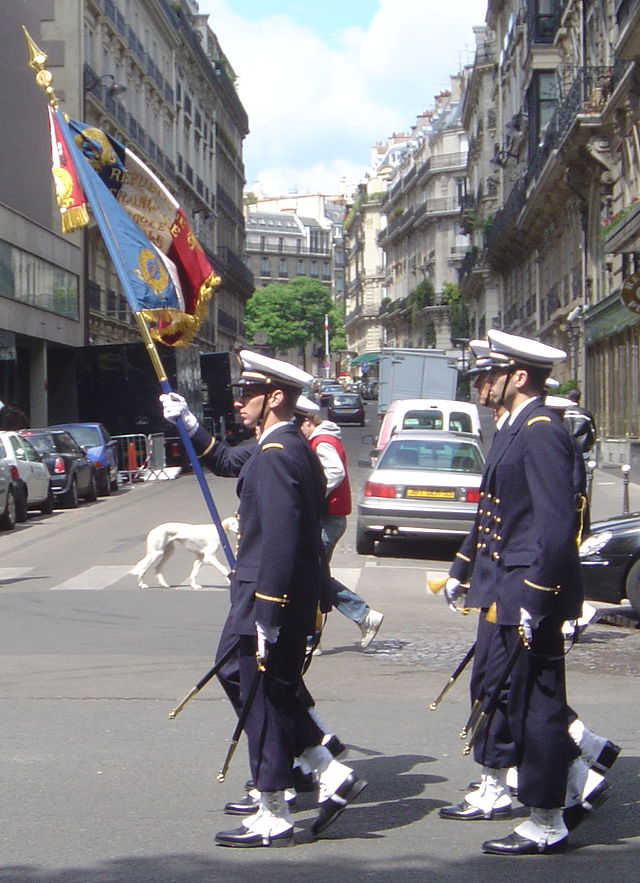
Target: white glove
x,y
267,634
529,622
453,592
174,406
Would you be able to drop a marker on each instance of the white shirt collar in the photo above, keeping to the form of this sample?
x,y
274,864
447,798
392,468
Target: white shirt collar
x,y
520,408
268,431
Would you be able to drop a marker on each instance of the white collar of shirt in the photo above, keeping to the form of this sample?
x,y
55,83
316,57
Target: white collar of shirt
x,y
521,407
502,419
268,431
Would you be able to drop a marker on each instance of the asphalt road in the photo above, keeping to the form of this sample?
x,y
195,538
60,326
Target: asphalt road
x,y
99,785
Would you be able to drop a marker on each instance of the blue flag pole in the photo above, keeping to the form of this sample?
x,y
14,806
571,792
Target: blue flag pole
x,y
97,193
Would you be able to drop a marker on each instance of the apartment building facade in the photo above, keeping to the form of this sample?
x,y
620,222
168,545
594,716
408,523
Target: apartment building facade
x,y
553,243
153,74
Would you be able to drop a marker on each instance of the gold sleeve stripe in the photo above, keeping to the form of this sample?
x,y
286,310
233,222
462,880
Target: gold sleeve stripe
x,y
284,600
540,419
208,448
464,557
542,588
276,445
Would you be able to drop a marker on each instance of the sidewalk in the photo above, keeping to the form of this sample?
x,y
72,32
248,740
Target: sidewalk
x,y
607,493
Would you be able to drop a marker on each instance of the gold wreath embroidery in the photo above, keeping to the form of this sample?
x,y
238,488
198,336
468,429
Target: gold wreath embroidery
x,y
152,271
105,156
64,186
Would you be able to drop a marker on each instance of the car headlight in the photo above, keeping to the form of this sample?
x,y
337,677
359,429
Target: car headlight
x,y
595,543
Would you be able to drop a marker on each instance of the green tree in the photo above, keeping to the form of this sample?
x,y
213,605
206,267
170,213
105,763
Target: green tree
x,y
291,314
458,313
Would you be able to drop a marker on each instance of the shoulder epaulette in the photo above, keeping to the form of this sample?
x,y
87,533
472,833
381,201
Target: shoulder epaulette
x,y
276,445
540,419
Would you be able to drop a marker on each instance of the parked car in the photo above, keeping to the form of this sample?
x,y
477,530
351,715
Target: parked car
x,y
35,482
99,447
72,472
346,407
425,484
610,559
8,475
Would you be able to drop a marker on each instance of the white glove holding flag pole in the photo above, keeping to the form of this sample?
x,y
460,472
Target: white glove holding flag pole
x,y
529,622
267,634
453,592
174,406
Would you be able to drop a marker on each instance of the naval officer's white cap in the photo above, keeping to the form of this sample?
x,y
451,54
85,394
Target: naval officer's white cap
x,y
305,406
558,403
522,350
552,383
259,370
484,360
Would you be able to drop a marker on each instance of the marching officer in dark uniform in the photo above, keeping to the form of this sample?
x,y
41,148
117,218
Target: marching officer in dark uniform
x,y
523,567
275,591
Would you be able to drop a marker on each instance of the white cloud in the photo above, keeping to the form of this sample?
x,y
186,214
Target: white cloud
x,y
315,111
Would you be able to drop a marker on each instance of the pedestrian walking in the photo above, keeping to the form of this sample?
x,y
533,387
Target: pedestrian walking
x,y
324,438
275,591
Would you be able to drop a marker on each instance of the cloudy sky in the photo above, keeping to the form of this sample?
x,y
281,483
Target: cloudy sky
x,y
322,82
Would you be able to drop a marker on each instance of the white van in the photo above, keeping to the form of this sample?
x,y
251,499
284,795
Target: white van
x,y
442,414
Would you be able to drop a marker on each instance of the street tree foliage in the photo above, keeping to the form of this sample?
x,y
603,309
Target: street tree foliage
x,y
291,314
458,313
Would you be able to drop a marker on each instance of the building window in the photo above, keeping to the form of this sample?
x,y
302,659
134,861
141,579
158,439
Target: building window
x,y
280,244
283,268
265,269
542,100
300,268
314,270
326,272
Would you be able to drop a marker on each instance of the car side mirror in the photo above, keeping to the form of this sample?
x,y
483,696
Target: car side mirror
x,y
368,440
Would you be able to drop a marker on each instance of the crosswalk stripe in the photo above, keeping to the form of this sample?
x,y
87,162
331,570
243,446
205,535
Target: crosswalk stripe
x,y
95,578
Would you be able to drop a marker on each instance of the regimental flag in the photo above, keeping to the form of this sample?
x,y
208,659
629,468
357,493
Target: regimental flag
x,y
69,193
158,216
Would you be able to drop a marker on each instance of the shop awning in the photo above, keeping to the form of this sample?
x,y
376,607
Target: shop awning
x,y
370,358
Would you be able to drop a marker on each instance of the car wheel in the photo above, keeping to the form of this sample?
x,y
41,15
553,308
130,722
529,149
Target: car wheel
x,y
70,499
113,484
105,488
92,493
8,517
47,507
364,544
632,586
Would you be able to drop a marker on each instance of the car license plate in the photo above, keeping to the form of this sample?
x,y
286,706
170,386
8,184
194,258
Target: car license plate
x,y
431,493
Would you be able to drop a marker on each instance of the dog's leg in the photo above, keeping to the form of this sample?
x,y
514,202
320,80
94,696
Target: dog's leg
x,y
211,559
194,572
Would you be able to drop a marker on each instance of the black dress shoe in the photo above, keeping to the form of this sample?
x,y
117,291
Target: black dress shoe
x,y
608,755
576,814
243,837
465,812
248,805
516,844
345,794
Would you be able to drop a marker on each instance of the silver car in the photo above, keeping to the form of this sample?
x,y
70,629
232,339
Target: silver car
x,y
426,483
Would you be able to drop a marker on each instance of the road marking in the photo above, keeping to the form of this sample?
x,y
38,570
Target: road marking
x,y
349,576
95,578
7,574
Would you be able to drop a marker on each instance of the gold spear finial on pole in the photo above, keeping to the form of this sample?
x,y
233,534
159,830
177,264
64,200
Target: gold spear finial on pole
x,y
37,61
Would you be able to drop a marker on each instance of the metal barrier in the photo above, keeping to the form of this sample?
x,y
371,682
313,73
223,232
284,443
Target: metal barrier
x,y
133,456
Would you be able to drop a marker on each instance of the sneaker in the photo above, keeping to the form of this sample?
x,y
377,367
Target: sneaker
x,y
369,627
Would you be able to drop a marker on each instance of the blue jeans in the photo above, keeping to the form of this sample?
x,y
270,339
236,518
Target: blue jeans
x,y
343,599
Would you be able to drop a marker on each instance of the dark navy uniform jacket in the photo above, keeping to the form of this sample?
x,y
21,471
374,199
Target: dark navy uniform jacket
x,y
280,564
522,550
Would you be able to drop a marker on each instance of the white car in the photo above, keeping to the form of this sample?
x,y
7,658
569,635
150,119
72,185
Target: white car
x,y
34,474
7,495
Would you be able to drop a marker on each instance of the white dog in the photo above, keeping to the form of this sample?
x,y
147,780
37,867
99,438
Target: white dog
x,y
202,539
